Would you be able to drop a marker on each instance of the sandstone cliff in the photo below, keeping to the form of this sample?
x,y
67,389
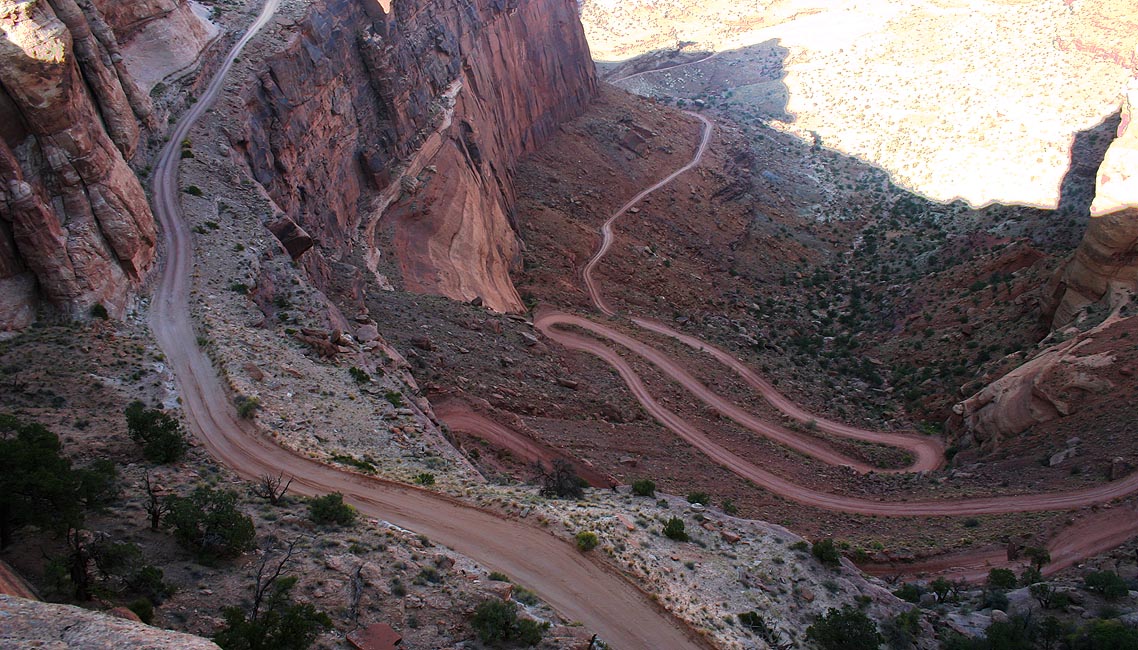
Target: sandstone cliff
x,y
416,116
1107,258
75,226
32,624
1104,269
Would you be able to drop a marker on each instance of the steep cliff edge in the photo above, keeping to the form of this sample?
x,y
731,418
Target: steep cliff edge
x,y
416,117
1101,278
75,226
1107,258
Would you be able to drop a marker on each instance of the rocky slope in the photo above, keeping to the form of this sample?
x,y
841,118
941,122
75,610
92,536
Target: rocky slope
x,y
429,107
75,226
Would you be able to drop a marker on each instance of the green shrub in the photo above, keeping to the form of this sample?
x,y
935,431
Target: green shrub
x,y
247,407
846,629
587,540
1108,583
1001,579
99,311
331,509
909,592
359,375
674,529
826,552
161,436
644,488
496,621
194,190
498,576
702,498
275,623
426,478
209,523
143,609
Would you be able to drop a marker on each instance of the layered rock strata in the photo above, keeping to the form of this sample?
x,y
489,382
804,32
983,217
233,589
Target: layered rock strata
x,y
1107,258
75,225
417,114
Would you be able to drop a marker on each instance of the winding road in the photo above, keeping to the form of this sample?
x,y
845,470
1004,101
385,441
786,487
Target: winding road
x,y
576,586
1070,545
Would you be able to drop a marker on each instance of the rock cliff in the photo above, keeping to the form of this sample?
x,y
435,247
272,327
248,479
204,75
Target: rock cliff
x,y
414,118
1107,258
32,624
75,226
1104,269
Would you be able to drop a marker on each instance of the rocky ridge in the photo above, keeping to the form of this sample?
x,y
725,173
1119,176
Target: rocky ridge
x,y
1107,259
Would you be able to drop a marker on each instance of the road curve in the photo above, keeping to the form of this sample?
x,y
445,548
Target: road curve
x,y
606,229
458,416
577,587
546,320
664,69
927,452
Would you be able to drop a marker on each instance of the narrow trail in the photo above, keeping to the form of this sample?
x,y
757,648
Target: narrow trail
x,y
606,229
664,69
576,586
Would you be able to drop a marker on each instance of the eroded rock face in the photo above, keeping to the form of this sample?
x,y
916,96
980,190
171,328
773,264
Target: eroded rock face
x,y
1107,258
73,216
428,108
1052,385
32,624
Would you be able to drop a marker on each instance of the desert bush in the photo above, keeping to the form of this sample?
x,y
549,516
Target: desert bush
x,y
587,540
331,509
674,529
644,488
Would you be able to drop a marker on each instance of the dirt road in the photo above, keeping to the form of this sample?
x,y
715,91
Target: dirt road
x,y
1071,544
575,585
460,417
606,228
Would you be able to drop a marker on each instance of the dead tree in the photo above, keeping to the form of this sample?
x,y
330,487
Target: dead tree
x,y
156,506
269,487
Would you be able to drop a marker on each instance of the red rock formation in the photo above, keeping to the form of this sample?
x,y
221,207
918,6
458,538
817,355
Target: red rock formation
x,y
1107,258
72,214
431,106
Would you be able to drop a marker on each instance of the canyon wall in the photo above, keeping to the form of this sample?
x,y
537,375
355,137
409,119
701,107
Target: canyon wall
x,y
75,226
1107,258
416,116
1102,276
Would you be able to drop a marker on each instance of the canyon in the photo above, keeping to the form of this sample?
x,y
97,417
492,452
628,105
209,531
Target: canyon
x,y
429,239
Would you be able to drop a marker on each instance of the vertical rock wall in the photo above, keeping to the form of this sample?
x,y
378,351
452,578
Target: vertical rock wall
x,y
424,108
1107,258
75,225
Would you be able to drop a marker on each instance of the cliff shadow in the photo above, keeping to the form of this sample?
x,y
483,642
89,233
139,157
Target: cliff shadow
x,y
750,76
1077,189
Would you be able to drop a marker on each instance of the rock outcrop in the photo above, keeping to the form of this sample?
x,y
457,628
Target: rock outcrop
x,y
1052,385
417,114
1107,258
156,38
32,624
75,225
